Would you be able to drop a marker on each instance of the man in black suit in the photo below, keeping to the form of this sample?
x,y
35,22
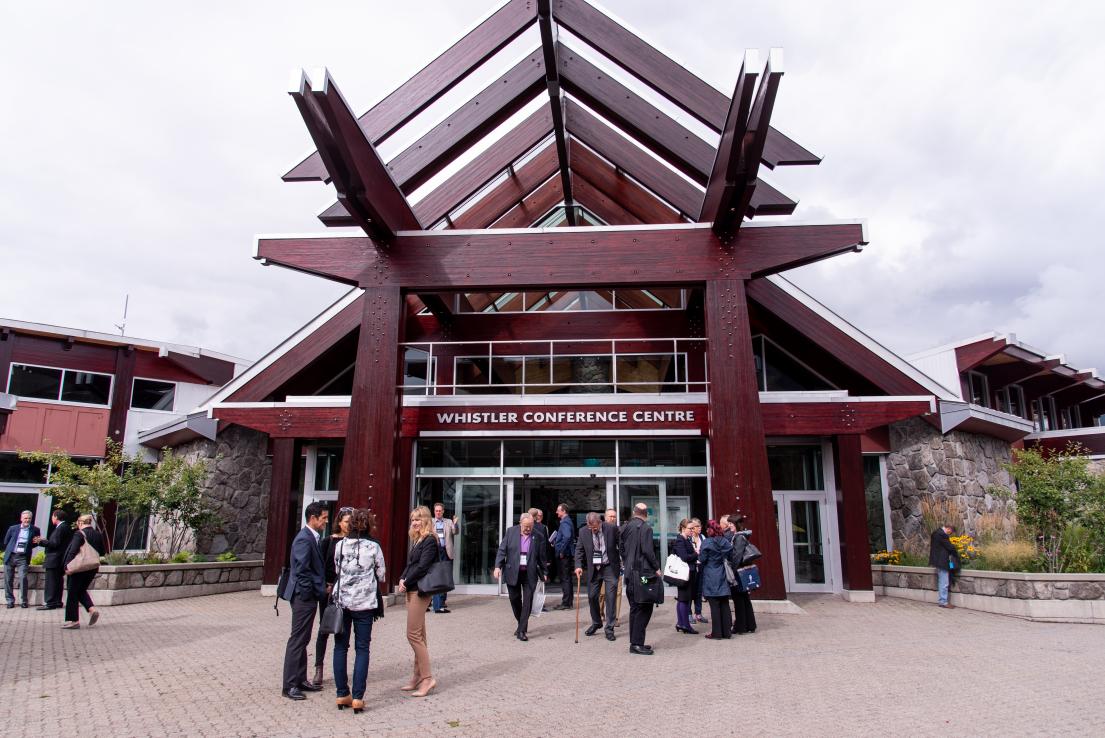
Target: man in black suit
x,y
55,546
18,542
306,586
598,562
521,562
639,555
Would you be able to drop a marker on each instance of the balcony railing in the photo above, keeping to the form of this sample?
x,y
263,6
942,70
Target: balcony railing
x,y
558,366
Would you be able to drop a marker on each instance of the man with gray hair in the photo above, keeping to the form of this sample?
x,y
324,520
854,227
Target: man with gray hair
x,y
18,542
520,563
639,553
598,562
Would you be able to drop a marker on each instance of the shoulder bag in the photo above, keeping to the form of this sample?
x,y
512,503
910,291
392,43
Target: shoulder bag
x,y
438,580
677,572
749,578
87,559
333,617
751,553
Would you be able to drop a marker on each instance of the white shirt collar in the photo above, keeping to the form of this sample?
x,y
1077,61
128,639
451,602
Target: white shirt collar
x,y
315,533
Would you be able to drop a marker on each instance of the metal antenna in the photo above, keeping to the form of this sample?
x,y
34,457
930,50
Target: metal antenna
x,y
123,326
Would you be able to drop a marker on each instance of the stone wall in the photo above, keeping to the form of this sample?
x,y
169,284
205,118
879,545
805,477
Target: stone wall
x,y
1097,466
958,467
238,485
125,585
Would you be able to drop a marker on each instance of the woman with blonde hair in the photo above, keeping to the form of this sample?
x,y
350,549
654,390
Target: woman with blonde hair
x,y
79,581
422,555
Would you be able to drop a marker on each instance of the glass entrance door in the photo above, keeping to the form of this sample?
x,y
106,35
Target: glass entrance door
x,y
479,515
804,540
664,510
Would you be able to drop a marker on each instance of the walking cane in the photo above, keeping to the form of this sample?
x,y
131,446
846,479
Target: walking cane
x,y
578,581
618,607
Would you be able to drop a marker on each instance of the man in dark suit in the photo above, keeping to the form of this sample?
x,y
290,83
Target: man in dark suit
x,y
639,555
598,562
520,563
18,542
564,546
55,546
305,588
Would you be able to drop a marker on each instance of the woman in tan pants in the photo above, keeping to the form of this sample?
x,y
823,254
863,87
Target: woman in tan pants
x,y
423,554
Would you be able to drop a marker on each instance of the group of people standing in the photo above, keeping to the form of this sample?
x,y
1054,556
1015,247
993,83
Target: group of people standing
x,y
706,557
67,558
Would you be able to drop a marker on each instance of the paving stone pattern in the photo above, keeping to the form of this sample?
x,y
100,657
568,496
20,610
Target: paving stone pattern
x,y
210,666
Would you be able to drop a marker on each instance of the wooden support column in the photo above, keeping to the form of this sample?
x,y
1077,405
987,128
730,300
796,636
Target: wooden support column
x,y
282,500
7,347
121,386
739,475
369,475
851,511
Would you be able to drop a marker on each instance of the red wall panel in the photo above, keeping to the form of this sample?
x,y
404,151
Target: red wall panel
x,y
36,426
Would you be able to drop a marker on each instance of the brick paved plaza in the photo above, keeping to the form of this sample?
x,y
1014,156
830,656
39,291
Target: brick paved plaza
x,y
210,666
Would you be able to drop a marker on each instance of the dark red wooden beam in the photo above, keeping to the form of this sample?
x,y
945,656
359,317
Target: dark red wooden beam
x,y
364,186
209,369
533,206
602,205
620,188
511,191
726,173
851,506
473,120
666,76
433,81
550,49
282,501
973,354
1003,375
443,260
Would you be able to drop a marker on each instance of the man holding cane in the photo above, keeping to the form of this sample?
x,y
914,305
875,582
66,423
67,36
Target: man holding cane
x,y
597,563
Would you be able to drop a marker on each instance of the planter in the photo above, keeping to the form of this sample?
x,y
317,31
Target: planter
x,y
131,583
1064,598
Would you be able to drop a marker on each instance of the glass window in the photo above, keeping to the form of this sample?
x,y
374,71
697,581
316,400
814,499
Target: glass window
x,y
131,533
876,520
795,467
680,453
152,395
507,370
595,371
35,382
86,387
328,469
980,389
15,470
650,373
558,452
417,372
784,373
459,454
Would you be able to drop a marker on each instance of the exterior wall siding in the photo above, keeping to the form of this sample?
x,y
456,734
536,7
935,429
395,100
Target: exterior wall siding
x,y
40,426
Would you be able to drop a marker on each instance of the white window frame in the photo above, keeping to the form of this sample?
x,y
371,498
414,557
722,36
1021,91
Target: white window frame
x,y
987,400
150,409
61,385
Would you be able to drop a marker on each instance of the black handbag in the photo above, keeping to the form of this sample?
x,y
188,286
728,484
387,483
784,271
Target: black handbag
x,y
648,590
333,619
438,580
751,553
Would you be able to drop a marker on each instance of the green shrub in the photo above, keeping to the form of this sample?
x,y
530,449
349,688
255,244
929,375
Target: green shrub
x,y
182,557
1078,552
146,558
115,558
200,559
910,558
227,556
38,559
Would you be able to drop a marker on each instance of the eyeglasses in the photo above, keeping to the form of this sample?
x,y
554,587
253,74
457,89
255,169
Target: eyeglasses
x,y
344,510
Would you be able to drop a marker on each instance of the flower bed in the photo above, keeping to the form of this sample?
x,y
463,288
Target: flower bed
x,y
128,584
1071,598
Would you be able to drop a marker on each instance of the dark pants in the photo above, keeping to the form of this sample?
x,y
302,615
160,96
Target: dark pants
x,y
78,594
438,601
14,569
52,596
567,579
697,593
521,601
607,575
639,615
744,618
360,623
721,617
295,655
321,638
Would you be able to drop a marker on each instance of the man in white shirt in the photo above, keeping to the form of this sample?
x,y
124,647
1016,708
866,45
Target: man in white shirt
x,y
18,543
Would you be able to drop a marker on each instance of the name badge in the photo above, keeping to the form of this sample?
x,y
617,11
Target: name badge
x,y
597,559
523,559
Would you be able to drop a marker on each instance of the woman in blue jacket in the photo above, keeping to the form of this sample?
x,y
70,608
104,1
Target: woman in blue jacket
x,y
715,587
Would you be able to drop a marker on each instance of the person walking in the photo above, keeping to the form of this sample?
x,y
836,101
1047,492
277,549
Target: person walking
x,y
422,555
305,587
56,546
744,617
944,556
696,541
18,542
716,549
444,531
360,584
564,548
684,593
520,562
330,574
639,557
78,583
598,563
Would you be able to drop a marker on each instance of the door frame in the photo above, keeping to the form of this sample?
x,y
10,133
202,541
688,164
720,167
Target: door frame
x,y
506,499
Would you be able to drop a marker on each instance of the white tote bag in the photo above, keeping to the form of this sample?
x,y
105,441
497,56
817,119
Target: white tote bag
x,y
677,568
538,600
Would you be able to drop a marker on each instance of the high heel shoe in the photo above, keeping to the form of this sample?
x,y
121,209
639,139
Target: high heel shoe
x,y
344,702
413,685
318,674
426,689
689,631
358,707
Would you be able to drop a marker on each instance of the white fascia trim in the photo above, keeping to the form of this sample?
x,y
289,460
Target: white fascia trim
x,y
990,336
884,353
287,345
842,396
635,398
162,347
660,433
955,413
1094,431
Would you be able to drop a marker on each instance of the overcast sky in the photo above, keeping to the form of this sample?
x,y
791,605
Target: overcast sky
x,y
143,145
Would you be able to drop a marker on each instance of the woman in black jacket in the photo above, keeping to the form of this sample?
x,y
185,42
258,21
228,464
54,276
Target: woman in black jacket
x,y
684,593
78,582
328,545
744,618
422,556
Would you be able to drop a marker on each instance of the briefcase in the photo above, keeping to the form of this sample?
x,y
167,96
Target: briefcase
x,y
648,590
748,578
438,580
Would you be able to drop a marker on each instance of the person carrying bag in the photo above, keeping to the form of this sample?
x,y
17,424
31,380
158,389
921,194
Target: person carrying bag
x,y
748,576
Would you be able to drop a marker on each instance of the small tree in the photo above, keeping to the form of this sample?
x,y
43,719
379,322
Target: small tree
x,y
1058,496
180,504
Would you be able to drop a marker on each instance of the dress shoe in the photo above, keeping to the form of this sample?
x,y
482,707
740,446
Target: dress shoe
x,y
24,605
610,636
444,610
294,694
522,636
48,607
309,687
646,647
592,630
562,606
11,605
67,625
640,650
93,616
701,619
318,674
